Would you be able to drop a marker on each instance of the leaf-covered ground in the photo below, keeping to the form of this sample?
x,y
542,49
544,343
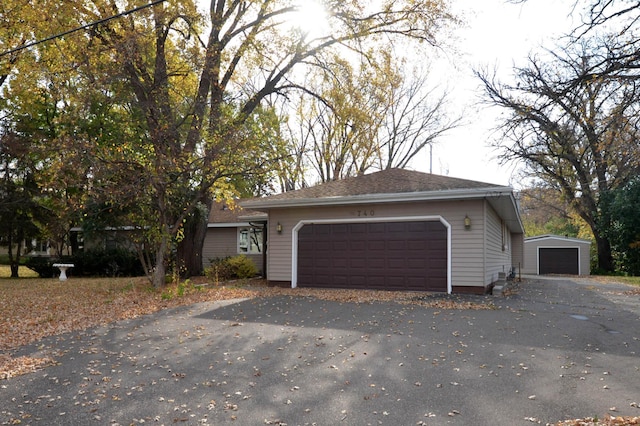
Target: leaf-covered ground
x,y
607,421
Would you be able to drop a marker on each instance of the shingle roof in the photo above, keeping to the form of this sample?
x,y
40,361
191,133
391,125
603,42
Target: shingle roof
x,y
395,185
222,212
392,181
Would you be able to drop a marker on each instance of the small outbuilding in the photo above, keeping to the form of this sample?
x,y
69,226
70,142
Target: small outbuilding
x,y
555,254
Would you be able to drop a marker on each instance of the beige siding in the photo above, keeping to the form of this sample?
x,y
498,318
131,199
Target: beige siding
x,y
466,244
498,245
585,259
530,258
467,261
219,242
223,242
531,252
517,251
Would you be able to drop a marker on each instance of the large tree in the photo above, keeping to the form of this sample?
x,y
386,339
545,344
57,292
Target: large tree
x,y
377,114
195,83
20,213
621,17
342,120
417,116
580,136
545,211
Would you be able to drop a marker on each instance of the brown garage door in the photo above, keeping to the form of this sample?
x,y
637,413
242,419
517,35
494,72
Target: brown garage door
x,y
558,260
380,255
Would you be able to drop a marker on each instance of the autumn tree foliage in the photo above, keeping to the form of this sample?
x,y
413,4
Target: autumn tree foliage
x,y
183,88
375,114
577,135
545,211
20,213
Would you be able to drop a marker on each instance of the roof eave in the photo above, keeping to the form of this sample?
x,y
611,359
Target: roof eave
x,y
455,194
507,208
556,237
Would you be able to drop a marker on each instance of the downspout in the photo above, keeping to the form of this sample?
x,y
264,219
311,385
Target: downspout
x,y
264,226
264,250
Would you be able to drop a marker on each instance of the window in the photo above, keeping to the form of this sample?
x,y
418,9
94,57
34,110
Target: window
x,y
250,240
39,246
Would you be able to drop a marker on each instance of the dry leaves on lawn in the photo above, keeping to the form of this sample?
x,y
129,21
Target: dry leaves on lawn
x,y
36,308
10,367
607,421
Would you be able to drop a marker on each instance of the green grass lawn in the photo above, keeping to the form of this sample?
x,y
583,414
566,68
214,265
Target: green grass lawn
x,y
23,272
629,280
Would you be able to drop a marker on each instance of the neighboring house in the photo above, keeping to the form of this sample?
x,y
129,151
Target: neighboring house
x,y
233,231
109,238
554,254
34,247
393,230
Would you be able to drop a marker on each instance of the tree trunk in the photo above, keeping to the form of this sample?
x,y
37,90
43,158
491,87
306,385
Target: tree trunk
x,y
605,258
190,248
160,270
14,261
14,269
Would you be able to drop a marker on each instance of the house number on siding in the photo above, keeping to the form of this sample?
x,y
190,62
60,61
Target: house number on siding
x,y
365,213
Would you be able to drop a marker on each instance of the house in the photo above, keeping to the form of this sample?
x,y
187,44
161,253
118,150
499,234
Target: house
x,y
392,230
233,231
554,254
33,247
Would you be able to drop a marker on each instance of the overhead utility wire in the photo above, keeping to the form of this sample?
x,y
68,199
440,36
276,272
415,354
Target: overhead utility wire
x,y
84,27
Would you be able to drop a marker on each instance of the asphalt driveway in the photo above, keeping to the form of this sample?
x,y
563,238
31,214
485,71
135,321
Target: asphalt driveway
x,y
557,349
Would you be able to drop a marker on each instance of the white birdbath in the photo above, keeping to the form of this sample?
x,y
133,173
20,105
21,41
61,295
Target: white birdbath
x,y
63,269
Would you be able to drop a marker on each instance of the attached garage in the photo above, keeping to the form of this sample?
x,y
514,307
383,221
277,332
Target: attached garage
x,y
553,254
399,255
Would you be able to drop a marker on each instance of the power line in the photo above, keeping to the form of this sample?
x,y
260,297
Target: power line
x,y
84,27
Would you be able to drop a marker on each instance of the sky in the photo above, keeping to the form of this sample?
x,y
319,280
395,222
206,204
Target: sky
x,y
497,35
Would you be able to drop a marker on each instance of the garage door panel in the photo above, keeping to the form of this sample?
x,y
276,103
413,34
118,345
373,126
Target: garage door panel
x,y
339,262
416,226
416,264
358,228
375,282
339,229
376,245
379,255
376,228
558,260
394,245
340,245
415,282
322,246
357,245
396,227
396,263
417,245
358,263
358,280
396,281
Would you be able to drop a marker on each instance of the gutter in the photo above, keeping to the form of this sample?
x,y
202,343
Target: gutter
x,y
456,194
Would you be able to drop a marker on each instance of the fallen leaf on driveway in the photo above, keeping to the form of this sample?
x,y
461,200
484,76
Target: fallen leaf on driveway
x,y
607,421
